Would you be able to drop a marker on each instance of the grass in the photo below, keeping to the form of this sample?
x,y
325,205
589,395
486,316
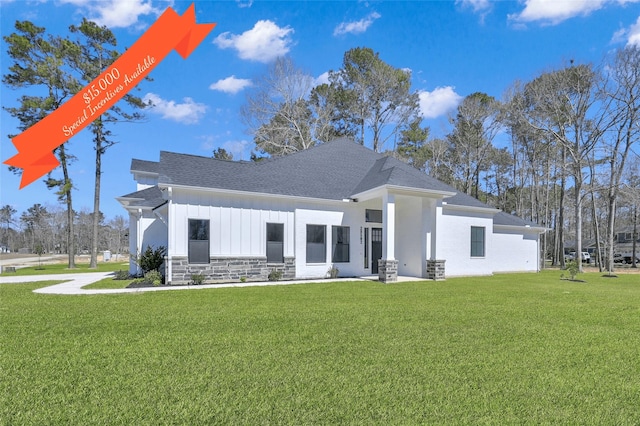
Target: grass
x,y
108,283
61,268
494,350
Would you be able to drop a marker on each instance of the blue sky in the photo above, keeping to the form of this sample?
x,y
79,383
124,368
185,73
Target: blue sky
x,y
453,48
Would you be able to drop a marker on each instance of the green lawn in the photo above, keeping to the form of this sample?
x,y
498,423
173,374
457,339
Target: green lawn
x,y
497,350
61,268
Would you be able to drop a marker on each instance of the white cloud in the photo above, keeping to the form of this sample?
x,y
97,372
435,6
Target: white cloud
x,y
189,112
116,13
632,34
322,79
236,148
555,11
231,85
478,6
263,43
438,102
356,27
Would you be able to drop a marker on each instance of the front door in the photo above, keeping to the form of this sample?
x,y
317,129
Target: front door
x,y
376,248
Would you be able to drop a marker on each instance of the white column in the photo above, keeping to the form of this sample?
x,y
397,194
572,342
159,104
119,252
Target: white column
x,y
388,226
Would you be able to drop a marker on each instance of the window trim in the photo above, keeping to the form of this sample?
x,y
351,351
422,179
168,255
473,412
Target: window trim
x,y
189,240
324,245
281,242
334,243
475,242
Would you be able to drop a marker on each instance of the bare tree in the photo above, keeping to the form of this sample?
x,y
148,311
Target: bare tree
x,y
565,104
276,111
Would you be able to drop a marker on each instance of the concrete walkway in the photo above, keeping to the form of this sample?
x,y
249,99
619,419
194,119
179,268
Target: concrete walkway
x,y
74,282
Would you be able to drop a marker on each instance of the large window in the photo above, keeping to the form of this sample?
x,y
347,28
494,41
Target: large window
x,y
373,215
316,244
477,241
198,241
275,243
340,241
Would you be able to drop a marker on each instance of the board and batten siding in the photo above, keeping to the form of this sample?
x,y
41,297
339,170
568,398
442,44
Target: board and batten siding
x,y
237,224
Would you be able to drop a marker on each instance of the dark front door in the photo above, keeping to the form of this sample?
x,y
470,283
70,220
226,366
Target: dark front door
x,y
376,248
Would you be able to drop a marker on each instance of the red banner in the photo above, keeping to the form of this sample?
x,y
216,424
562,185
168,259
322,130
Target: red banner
x,y
36,144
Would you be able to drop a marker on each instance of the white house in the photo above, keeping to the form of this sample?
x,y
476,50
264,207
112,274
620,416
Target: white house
x,y
338,205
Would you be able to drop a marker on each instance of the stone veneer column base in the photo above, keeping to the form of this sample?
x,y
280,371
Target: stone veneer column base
x,y
435,270
387,270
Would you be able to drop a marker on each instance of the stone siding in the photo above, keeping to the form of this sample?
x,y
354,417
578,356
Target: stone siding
x,y
230,269
387,270
435,270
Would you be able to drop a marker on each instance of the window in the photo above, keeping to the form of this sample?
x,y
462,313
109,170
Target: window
x,y
373,216
198,241
340,240
477,241
275,243
316,244
366,248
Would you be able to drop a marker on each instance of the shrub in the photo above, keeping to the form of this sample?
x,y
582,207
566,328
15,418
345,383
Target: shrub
x,y
275,275
243,279
121,275
151,259
573,269
197,279
153,277
333,272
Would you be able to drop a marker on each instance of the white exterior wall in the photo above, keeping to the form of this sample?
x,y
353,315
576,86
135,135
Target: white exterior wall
x,y
237,224
514,251
347,214
145,229
410,239
454,242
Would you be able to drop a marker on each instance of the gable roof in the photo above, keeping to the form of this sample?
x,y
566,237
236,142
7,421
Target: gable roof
x,y
149,198
144,166
335,170
506,219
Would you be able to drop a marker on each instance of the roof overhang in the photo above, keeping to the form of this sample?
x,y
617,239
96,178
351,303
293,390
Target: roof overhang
x,y
537,229
163,186
401,190
475,209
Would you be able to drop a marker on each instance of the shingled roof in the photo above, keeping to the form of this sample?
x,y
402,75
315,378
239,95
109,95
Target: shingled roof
x,y
149,198
332,171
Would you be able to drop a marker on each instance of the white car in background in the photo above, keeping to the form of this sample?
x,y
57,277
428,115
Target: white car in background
x,y
584,256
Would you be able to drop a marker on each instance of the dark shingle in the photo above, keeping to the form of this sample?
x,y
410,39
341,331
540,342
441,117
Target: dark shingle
x,y
150,198
144,166
507,219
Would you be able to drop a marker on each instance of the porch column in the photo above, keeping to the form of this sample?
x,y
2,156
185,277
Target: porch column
x,y
388,265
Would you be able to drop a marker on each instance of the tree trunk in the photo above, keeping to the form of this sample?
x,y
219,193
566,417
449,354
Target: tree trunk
x,y
71,244
96,195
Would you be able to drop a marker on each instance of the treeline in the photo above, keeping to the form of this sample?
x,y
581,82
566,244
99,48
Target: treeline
x,y
560,150
43,228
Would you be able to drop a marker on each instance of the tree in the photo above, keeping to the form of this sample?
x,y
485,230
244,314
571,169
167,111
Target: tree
x,y
564,105
6,220
93,55
621,91
41,62
35,224
276,112
370,94
222,154
474,128
412,146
